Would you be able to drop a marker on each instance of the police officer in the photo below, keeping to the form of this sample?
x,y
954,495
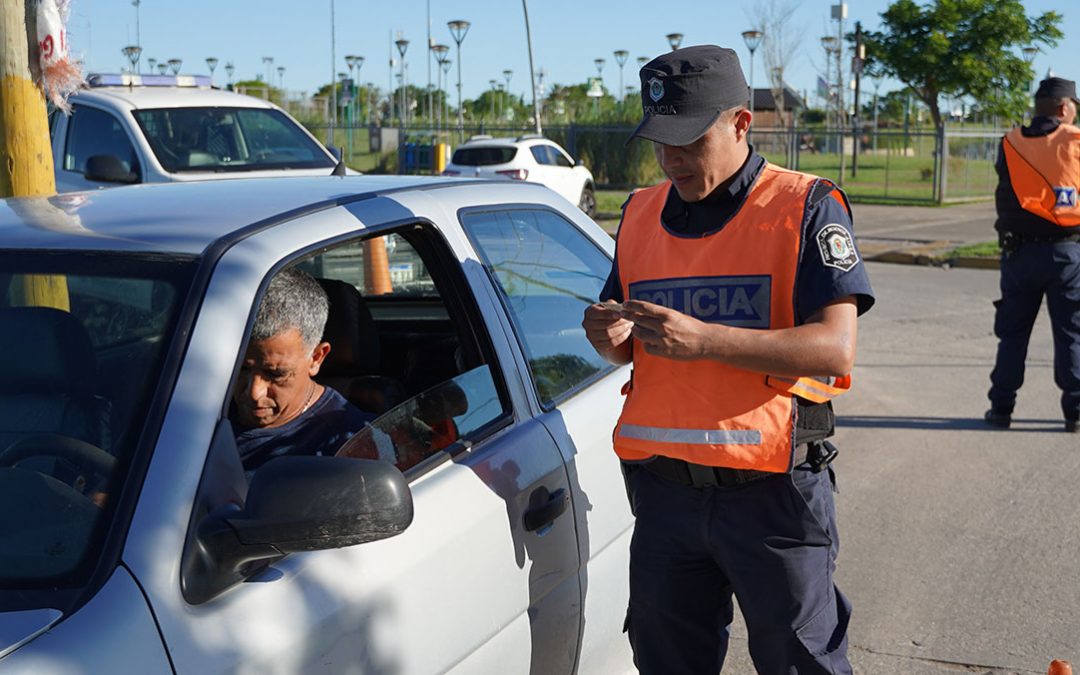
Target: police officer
x,y
1038,224
734,292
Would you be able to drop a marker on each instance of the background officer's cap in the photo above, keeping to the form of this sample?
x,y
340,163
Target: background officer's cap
x,y
1057,88
684,91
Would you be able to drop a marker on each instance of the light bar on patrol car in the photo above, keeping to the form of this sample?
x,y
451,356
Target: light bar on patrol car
x,y
131,80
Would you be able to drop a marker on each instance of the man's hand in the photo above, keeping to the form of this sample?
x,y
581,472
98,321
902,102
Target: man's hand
x,y
668,333
608,332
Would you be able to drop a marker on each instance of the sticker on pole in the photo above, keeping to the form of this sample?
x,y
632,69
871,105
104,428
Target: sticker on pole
x,y
60,76
836,247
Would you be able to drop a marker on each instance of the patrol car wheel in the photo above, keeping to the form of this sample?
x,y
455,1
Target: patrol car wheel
x,y
587,203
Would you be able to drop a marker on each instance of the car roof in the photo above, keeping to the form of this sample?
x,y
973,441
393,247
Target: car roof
x,y
181,218
135,98
504,142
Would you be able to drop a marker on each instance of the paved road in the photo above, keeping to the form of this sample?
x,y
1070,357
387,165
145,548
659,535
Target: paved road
x,y
960,543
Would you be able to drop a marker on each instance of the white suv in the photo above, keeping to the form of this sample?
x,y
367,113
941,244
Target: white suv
x,y
530,158
165,128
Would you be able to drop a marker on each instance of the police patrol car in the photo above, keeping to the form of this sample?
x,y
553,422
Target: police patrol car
x,y
161,128
131,540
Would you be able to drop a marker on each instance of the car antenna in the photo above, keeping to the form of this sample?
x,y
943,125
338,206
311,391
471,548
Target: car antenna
x,y
339,170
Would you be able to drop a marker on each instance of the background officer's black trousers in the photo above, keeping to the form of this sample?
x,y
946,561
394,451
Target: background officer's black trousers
x,y
771,542
1034,269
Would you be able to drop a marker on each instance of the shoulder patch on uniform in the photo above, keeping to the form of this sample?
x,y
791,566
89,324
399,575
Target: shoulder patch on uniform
x,y
837,248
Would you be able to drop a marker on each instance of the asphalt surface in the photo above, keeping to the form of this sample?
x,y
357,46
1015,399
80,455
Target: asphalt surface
x,y
960,543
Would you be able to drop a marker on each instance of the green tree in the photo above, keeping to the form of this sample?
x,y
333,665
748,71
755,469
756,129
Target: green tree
x,y
961,47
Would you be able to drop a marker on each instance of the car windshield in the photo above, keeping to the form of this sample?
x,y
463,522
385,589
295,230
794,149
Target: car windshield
x,y
82,342
484,155
229,139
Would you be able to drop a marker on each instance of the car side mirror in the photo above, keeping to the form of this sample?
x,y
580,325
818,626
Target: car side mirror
x,y
297,504
579,162
108,169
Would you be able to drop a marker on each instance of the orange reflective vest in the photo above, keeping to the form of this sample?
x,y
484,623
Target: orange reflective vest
x,y
703,411
1045,172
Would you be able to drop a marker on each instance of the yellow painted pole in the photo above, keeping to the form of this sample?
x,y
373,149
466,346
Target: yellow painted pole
x,y
26,163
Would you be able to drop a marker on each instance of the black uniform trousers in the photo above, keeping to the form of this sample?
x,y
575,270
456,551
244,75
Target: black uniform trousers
x,y
1032,270
771,542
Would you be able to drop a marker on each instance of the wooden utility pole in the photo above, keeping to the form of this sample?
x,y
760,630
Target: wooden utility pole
x,y
26,164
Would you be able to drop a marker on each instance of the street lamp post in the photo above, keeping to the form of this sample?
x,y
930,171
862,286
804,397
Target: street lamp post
x,y
440,51
132,52
281,81
752,38
1029,57
138,37
829,43
174,65
402,45
268,61
446,63
491,85
152,63
674,39
599,63
507,74
162,67
211,63
459,28
229,69
621,55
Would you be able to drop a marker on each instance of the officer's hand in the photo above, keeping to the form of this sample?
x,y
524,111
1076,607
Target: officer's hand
x,y
605,327
666,332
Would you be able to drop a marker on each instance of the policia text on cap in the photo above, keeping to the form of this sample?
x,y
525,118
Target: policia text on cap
x,y
734,293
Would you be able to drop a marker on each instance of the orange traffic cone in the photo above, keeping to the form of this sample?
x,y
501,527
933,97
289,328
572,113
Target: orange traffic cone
x,y
1059,668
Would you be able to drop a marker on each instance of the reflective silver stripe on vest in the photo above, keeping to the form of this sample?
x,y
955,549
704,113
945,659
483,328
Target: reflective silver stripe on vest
x,y
692,436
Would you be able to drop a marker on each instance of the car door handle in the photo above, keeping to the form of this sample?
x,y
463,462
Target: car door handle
x,y
539,516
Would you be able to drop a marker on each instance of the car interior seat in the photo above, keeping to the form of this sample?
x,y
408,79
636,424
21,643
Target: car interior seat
x,y
353,364
50,374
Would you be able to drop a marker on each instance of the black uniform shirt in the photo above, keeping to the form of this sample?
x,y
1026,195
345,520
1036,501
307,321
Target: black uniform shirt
x,y
1011,217
819,280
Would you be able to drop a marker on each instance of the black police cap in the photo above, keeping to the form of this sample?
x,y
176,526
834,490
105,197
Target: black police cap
x,y
684,91
1057,88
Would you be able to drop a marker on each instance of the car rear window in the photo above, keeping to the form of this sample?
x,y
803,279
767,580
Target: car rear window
x,y
485,156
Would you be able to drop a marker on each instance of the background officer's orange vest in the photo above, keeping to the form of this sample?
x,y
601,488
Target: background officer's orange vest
x,y
1045,173
703,411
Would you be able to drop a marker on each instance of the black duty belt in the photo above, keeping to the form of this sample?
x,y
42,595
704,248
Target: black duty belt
x,y
1010,240
819,455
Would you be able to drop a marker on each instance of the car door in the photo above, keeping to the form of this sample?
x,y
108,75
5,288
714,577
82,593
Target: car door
x,y
547,271
91,131
468,587
571,180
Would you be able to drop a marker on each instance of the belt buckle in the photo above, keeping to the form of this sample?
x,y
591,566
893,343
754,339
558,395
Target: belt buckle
x,y
703,476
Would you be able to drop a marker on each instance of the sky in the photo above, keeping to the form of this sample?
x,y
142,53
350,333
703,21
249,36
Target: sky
x,y
567,36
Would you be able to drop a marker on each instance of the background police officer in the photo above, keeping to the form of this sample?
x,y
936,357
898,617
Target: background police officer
x,y
1038,225
739,285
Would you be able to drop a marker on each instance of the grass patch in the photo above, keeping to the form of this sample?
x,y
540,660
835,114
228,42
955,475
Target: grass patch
x,y
986,249
609,203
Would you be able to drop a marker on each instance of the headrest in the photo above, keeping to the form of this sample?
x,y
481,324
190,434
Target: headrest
x,y
45,351
350,330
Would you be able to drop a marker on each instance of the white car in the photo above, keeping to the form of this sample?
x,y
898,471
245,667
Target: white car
x,y
529,158
131,540
162,128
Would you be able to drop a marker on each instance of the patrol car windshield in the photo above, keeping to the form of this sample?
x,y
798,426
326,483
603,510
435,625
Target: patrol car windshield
x,y
229,139
82,342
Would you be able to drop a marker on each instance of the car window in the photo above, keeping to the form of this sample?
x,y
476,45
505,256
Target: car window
x,y
558,158
83,339
229,139
404,350
96,132
357,263
54,115
548,272
484,155
540,154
